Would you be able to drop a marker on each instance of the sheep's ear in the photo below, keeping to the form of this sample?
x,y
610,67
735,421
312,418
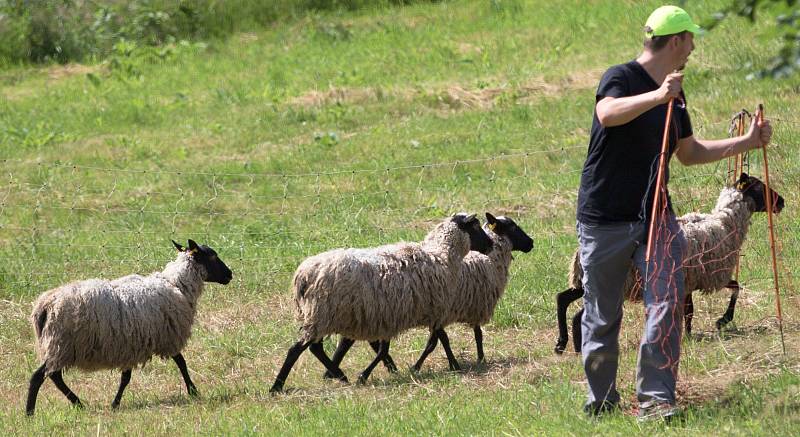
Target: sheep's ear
x,y
743,182
491,220
462,218
179,247
193,247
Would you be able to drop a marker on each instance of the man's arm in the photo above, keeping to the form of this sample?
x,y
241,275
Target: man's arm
x,y
693,151
616,111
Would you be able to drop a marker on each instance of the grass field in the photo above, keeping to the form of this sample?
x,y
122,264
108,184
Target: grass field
x,y
357,129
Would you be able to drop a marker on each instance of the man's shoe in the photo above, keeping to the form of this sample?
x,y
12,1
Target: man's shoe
x,y
660,410
596,409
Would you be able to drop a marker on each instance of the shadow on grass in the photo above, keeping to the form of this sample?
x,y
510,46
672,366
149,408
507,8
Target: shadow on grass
x,y
213,398
472,368
728,333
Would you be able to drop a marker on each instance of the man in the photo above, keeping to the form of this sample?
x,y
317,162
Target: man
x,y
614,205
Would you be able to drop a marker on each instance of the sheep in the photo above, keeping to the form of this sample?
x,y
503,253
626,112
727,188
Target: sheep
x,y
481,285
375,294
714,243
120,324
482,282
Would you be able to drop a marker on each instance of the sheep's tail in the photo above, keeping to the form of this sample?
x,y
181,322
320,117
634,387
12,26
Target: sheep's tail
x,y
42,309
39,317
576,272
299,286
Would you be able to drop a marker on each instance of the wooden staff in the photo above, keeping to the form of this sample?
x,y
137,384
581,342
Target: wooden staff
x,y
662,164
768,197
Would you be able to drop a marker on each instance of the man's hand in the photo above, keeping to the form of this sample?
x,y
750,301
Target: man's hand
x,y
759,133
671,87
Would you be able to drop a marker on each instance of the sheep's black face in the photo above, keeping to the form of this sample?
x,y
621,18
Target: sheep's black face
x,y
508,228
217,270
753,188
478,240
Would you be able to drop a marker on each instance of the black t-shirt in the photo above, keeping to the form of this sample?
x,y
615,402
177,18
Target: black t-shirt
x,y
622,161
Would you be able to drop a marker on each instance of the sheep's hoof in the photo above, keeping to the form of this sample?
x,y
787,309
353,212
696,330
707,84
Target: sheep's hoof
x,y
193,392
78,404
561,346
721,323
276,388
114,405
29,413
329,375
362,379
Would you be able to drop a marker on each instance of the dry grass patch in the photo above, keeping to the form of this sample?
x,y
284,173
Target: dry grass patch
x,y
749,359
58,72
451,96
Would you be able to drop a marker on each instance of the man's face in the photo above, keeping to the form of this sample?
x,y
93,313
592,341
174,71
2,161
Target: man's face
x,y
684,47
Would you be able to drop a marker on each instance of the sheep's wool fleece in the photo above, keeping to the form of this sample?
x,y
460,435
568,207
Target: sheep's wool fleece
x,y
714,241
101,324
482,283
374,294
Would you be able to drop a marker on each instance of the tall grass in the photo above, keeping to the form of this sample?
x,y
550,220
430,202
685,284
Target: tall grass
x,y
77,30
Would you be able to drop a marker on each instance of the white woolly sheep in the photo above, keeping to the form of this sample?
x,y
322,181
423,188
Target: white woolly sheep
x,y
120,324
714,241
375,294
482,283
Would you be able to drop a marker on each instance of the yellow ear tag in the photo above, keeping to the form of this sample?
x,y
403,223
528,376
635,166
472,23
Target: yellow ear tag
x,y
492,226
741,186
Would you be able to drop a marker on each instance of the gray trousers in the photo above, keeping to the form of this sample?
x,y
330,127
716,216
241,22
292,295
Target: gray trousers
x,y
606,252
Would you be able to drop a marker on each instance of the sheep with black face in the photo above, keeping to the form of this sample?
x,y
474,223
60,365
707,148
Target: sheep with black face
x,y
481,284
375,294
714,242
120,324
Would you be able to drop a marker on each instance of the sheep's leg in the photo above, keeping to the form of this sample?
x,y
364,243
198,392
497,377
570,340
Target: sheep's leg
x,y
388,362
123,382
37,379
728,316
291,357
429,347
341,350
59,382
382,352
563,300
451,359
319,351
479,341
688,314
190,388
577,335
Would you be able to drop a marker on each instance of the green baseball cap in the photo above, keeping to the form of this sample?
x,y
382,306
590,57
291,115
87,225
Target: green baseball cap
x,y
669,20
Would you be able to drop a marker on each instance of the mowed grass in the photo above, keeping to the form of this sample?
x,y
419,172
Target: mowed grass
x,y
360,129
